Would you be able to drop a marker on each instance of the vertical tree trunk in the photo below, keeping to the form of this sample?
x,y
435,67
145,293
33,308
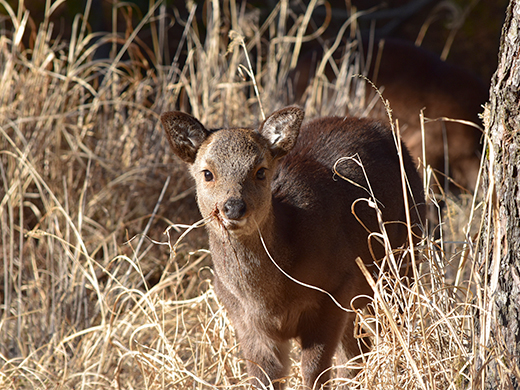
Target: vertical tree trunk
x,y
499,245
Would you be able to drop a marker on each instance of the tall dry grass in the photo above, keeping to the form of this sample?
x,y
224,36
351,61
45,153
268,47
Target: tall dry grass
x,y
93,294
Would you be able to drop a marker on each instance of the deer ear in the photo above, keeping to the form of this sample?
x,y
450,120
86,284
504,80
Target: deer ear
x,y
281,129
185,134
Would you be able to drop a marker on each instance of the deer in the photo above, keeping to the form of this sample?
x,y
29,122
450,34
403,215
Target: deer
x,y
412,79
280,220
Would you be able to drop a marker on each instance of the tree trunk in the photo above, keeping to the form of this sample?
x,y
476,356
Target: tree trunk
x,y
499,244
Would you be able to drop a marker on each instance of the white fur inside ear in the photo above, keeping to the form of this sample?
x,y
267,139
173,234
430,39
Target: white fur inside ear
x,y
281,129
275,138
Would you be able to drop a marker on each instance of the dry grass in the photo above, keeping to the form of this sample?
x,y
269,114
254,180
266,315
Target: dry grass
x,y
88,297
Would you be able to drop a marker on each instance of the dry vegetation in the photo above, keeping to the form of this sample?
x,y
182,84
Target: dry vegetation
x,y
93,294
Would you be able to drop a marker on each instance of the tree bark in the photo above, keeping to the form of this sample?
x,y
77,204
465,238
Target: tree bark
x,y
499,244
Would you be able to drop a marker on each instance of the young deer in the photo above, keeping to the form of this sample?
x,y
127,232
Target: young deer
x,y
274,197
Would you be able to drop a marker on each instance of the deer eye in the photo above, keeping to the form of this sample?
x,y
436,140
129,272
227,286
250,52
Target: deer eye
x,y
260,174
208,176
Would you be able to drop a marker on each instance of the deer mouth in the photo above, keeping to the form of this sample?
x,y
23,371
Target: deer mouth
x,y
233,224
229,224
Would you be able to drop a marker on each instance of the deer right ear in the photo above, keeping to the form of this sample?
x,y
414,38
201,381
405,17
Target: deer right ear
x,y
281,129
185,134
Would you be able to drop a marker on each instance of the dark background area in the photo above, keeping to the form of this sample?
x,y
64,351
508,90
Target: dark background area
x,y
474,25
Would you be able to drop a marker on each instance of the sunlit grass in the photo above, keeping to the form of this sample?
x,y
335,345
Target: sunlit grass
x,y
89,298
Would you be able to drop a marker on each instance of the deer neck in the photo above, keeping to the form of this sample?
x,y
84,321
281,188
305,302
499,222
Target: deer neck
x,y
247,259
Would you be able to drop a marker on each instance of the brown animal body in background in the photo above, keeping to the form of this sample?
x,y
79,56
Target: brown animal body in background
x,y
277,183
412,78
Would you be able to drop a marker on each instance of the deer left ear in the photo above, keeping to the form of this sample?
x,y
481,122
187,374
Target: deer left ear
x,y
185,134
281,129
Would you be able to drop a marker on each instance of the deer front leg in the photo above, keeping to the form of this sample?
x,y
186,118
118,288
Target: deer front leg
x,y
267,359
320,336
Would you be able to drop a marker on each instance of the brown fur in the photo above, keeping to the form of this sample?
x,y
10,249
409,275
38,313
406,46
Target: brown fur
x,y
279,184
411,79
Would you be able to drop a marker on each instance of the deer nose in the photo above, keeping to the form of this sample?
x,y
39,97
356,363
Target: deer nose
x,y
234,208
